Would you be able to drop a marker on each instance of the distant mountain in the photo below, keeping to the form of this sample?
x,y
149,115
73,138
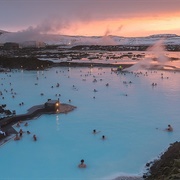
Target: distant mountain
x,y
163,36
2,32
168,39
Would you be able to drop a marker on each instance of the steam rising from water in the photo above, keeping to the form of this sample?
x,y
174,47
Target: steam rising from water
x,y
42,32
158,49
155,58
106,39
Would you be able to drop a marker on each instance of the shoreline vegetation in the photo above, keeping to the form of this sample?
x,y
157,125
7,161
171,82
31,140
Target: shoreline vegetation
x,y
166,167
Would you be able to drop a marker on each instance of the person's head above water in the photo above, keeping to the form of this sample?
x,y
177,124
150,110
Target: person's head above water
x,y
103,137
95,132
82,165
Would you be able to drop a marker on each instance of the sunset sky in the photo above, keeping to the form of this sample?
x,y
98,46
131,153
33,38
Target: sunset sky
x,y
91,17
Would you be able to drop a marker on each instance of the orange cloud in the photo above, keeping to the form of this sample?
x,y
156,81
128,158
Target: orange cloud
x,y
142,26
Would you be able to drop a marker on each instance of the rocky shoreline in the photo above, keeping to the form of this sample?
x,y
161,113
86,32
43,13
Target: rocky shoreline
x,y
167,167
33,63
28,63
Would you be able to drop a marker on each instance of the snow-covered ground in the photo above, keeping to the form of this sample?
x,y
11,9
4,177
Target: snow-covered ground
x,y
19,37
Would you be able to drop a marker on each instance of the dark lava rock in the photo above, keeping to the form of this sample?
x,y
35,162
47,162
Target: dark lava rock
x,y
28,63
168,166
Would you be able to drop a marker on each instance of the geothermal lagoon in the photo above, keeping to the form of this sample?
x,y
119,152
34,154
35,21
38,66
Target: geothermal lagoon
x,y
129,111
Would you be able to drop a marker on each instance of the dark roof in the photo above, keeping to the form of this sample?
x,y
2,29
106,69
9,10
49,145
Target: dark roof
x,y
52,102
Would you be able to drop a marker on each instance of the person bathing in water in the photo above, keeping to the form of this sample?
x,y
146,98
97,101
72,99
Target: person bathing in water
x,y
34,137
82,165
169,128
95,132
103,137
17,137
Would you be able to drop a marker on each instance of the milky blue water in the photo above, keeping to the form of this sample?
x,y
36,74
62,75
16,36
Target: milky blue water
x,y
132,116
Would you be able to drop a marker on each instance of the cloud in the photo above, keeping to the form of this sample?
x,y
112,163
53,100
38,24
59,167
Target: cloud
x,y
61,15
85,10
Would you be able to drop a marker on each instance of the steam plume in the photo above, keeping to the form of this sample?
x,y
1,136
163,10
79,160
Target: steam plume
x,y
156,58
106,39
42,32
